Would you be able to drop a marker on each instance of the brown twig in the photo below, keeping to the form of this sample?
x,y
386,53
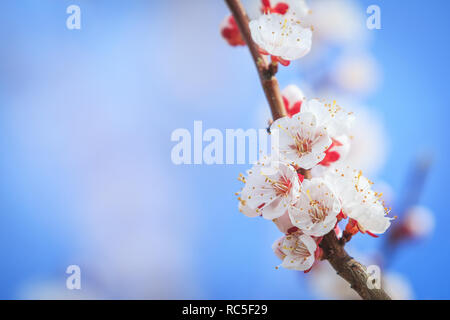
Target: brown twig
x,y
346,267
266,70
349,269
305,173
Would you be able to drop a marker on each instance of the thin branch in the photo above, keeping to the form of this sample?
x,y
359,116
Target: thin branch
x,y
346,267
305,173
266,71
349,269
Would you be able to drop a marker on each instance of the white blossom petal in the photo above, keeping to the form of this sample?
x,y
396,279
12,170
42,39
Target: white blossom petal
x,y
276,247
301,142
281,36
249,212
299,250
270,188
284,223
330,115
359,201
315,212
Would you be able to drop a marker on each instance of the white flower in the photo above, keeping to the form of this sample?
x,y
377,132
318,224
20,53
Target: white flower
x,y
270,188
330,115
301,141
315,212
297,251
281,36
359,201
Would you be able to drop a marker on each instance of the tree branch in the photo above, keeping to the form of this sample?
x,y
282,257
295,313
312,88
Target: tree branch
x,y
349,269
346,267
266,71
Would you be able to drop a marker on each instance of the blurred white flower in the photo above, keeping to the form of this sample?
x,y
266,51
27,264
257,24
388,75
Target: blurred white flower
x,y
419,221
356,73
369,142
337,21
397,286
281,36
327,285
315,211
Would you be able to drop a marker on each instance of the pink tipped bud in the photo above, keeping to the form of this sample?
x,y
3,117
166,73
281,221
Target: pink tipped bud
x,y
230,32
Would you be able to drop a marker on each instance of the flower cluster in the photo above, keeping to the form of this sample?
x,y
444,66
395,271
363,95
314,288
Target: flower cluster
x,y
328,115
312,138
305,187
280,30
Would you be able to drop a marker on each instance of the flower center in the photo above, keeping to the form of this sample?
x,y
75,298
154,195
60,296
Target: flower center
x,y
301,250
317,212
282,187
301,145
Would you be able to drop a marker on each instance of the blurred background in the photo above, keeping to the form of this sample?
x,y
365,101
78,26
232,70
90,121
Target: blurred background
x,y
87,178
